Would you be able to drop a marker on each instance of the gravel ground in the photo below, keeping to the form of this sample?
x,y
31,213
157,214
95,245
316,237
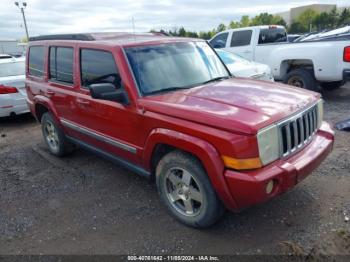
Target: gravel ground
x,y
83,204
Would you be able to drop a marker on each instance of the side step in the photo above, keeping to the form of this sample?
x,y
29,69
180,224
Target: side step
x,y
138,170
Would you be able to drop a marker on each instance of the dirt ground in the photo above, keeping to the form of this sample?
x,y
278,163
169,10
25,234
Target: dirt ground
x,y
83,204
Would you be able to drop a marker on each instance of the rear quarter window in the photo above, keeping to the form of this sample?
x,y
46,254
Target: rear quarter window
x,y
272,35
36,61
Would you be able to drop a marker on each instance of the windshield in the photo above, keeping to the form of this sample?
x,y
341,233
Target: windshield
x,y
12,69
164,67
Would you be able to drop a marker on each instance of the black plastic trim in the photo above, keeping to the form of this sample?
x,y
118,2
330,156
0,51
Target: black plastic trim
x,y
81,37
134,168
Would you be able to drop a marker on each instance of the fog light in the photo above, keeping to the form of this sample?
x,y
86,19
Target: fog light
x,y
269,187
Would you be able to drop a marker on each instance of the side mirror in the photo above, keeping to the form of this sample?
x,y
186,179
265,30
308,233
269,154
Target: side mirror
x,y
107,91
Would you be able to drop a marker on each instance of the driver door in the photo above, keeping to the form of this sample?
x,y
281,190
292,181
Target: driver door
x,y
106,125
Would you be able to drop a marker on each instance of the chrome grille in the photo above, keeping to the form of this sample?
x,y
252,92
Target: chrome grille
x,y
297,131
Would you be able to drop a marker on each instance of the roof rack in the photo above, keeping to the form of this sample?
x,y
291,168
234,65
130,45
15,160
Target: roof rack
x,y
81,37
94,36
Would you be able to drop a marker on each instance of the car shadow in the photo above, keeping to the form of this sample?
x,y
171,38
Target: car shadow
x,y
22,119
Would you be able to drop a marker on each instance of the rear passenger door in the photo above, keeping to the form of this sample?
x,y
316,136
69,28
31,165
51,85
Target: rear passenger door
x,y
61,82
106,125
240,43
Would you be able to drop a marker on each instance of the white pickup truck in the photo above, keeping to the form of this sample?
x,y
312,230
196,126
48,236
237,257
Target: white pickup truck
x,y
311,64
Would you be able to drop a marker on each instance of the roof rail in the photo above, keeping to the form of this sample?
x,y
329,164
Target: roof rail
x,y
93,36
81,37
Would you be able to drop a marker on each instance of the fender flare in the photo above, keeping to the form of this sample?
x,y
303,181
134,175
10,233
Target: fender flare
x,y
46,102
203,150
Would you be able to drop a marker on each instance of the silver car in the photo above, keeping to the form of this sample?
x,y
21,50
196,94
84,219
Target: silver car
x,y
13,95
241,67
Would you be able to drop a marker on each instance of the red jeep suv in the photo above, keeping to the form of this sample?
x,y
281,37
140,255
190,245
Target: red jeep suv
x,y
168,108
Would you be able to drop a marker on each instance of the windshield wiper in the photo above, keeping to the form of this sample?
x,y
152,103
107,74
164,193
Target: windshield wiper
x,y
216,79
173,88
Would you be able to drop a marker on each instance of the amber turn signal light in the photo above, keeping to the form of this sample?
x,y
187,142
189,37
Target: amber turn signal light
x,y
241,164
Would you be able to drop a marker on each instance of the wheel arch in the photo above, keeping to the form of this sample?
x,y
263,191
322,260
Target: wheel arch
x,y
43,105
290,64
161,141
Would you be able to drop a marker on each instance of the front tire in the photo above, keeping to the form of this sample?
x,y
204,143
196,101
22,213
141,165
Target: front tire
x,y
54,136
302,78
185,189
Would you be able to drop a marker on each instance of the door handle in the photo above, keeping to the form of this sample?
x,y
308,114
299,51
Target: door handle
x,y
247,52
83,102
50,92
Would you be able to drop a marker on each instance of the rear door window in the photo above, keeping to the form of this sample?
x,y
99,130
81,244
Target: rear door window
x,y
272,35
219,41
61,64
36,61
98,66
241,38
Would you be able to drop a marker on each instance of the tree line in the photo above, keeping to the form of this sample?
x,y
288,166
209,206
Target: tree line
x,y
308,21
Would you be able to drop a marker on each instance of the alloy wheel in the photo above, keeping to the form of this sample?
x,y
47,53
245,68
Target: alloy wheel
x,y
51,136
183,192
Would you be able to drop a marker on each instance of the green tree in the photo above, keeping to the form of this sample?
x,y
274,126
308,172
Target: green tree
x,y
322,21
267,19
245,21
234,24
24,40
192,34
278,20
221,27
333,18
207,35
307,19
344,17
262,19
297,27
182,31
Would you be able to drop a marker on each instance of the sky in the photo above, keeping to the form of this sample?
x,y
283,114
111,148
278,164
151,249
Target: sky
x,y
73,16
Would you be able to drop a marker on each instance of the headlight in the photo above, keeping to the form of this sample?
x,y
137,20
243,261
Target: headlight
x,y
268,144
319,113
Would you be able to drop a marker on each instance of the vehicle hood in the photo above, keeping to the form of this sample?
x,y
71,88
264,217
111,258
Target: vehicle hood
x,y
238,105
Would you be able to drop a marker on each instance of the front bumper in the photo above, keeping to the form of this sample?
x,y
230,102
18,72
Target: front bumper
x,y
249,188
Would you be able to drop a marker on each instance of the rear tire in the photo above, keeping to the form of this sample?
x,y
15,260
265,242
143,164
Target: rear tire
x,y
332,85
302,78
185,189
54,137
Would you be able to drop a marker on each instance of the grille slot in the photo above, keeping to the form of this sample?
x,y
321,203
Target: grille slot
x,y
297,131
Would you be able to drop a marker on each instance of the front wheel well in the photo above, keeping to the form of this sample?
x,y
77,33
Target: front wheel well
x,y
40,110
160,150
